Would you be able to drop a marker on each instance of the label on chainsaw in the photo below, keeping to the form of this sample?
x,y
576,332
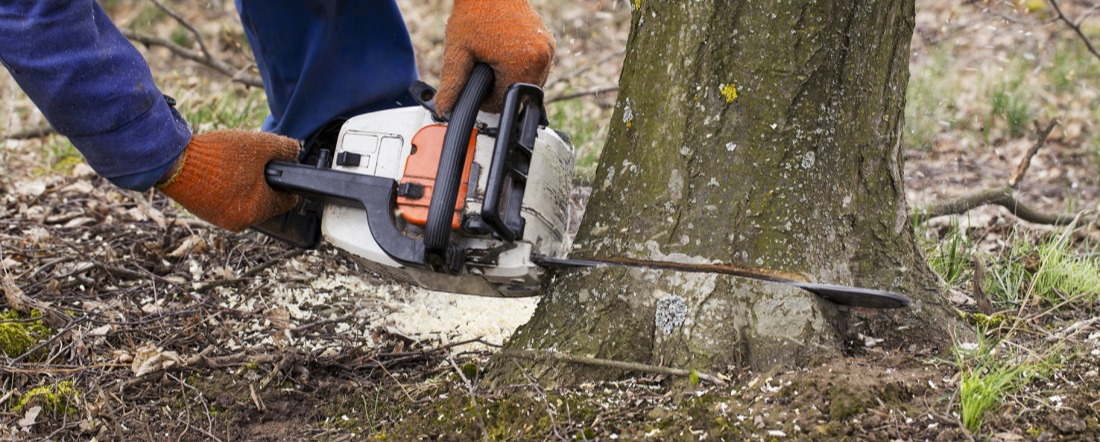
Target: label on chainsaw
x,y
420,171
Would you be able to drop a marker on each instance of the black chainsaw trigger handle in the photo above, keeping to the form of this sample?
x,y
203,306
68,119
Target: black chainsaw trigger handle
x,y
519,125
456,142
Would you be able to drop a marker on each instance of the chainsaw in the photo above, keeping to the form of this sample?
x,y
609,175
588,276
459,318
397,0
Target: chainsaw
x,y
476,203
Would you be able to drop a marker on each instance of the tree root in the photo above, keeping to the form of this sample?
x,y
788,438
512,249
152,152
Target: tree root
x,y
610,363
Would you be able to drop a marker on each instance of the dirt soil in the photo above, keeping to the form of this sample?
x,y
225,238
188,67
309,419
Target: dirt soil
x,y
138,322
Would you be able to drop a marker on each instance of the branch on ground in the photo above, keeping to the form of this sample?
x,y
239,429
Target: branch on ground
x,y
31,133
1041,139
204,58
235,74
610,363
595,91
1076,27
1003,197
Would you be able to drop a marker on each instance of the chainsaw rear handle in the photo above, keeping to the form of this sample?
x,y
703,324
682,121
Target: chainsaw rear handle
x,y
456,142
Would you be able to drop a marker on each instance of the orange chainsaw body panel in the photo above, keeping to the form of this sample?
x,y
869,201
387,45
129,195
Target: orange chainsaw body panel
x,y
421,169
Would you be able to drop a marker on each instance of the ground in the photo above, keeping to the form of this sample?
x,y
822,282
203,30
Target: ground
x,y
125,318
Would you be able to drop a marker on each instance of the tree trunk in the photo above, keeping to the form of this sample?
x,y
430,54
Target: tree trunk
x,y
757,133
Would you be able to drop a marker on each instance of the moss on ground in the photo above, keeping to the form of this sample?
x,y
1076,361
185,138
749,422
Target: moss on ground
x,y
19,334
59,398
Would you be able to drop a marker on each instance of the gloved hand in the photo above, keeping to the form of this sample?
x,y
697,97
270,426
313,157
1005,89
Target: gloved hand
x,y
220,177
505,34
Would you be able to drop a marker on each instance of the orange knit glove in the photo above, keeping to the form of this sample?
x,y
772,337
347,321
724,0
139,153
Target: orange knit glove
x,y
220,177
505,34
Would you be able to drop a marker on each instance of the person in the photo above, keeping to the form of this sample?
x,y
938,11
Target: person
x,y
319,60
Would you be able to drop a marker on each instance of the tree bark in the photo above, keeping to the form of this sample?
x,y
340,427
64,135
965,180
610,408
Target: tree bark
x,y
756,133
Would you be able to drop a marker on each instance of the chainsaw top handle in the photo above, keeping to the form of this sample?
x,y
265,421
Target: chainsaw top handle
x,y
456,142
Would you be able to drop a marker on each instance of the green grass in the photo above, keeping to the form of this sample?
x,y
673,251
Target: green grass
x,y
181,36
1051,270
234,109
928,105
988,373
1072,67
150,14
951,256
1010,102
585,128
59,156
1094,140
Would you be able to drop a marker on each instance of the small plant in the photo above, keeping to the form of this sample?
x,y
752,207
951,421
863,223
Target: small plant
x,y
1072,66
1010,102
60,155
181,37
150,15
950,257
988,372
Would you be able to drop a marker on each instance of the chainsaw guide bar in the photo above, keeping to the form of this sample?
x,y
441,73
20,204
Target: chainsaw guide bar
x,y
839,294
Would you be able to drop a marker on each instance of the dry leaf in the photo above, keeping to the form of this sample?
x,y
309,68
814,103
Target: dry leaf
x,y
30,416
83,170
17,300
79,222
81,187
150,359
9,263
193,244
280,318
100,331
30,188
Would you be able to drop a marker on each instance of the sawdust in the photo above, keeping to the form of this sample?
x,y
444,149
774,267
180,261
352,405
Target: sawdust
x,y
413,312
448,317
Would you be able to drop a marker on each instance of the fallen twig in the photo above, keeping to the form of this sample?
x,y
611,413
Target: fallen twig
x,y
235,74
319,323
251,272
31,133
610,363
542,396
1003,197
275,370
1076,27
472,394
49,341
1041,139
594,91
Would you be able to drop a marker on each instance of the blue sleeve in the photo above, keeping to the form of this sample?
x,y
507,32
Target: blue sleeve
x,y
322,60
93,87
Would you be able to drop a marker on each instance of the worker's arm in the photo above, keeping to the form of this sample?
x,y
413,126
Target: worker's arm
x,y
95,88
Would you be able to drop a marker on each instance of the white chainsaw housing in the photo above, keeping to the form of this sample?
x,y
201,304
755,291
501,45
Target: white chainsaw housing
x,y
384,142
